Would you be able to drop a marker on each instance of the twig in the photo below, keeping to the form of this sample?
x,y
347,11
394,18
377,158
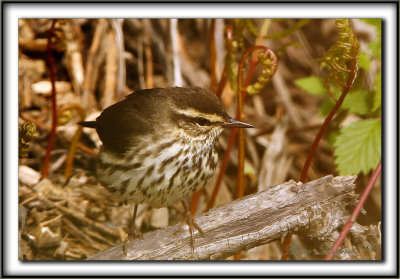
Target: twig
x,y
119,40
79,216
178,80
82,236
94,58
39,45
149,64
159,44
74,61
140,63
246,223
111,74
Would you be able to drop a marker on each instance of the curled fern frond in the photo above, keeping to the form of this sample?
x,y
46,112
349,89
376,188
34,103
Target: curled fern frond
x,y
26,132
338,59
238,37
270,64
64,116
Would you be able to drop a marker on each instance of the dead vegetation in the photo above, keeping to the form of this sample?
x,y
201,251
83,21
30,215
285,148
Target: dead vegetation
x,y
69,216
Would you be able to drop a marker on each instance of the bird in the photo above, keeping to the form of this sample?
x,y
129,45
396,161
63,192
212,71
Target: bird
x,y
159,146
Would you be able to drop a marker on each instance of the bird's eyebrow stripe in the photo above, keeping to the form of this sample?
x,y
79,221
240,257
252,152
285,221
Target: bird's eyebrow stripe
x,y
192,113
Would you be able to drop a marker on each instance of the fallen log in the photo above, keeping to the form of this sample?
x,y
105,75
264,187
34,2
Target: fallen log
x,y
249,222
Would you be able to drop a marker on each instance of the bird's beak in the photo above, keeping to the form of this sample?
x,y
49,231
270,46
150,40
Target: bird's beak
x,y
233,123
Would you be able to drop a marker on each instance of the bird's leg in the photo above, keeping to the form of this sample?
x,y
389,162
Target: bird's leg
x,y
192,224
132,234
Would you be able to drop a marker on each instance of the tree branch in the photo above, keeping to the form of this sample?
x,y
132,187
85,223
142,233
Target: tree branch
x,y
249,222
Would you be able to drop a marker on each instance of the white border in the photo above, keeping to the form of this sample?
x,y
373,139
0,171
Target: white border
x,y
340,10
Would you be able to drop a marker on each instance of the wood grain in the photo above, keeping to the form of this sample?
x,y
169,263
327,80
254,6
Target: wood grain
x,y
248,222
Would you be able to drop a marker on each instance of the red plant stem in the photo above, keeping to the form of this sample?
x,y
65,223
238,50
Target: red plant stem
x,y
50,61
285,247
222,170
233,134
324,127
222,81
195,201
239,115
224,75
213,57
231,142
218,92
241,90
355,213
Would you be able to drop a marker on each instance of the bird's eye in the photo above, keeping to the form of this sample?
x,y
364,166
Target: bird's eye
x,y
201,121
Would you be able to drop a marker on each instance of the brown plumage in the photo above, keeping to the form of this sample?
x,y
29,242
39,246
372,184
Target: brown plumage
x,y
159,145
144,111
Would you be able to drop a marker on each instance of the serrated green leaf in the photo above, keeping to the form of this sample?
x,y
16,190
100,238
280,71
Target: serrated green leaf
x,y
363,61
311,84
358,101
377,93
358,147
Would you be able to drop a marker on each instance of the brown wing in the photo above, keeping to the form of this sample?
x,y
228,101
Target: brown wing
x,y
119,125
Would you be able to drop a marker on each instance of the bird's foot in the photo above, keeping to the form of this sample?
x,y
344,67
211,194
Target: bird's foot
x,y
192,224
132,235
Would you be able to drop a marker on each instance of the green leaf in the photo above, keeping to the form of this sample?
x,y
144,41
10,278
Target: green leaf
x,y
358,147
336,91
363,61
375,47
331,137
377,92
374,22
312,85
326,107
358,101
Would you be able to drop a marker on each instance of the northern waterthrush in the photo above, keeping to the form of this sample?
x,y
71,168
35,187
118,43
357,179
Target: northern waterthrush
x,y
159,146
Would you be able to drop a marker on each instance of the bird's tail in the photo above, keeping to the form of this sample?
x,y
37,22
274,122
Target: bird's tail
x,y
88,124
